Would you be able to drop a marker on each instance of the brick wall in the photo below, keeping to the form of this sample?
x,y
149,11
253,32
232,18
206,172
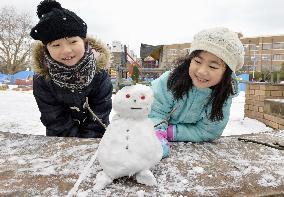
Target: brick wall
x,y
258,106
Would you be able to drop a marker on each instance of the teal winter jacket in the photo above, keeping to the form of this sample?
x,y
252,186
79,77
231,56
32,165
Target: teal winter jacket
x,y
189,120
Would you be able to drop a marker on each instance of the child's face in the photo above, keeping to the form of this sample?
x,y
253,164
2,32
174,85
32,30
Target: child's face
x,y
67,51
206,70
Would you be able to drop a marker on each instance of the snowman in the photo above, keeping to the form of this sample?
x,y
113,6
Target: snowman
x,y
129,146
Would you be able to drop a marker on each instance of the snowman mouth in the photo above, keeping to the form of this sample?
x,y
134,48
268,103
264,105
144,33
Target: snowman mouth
x,y
135,108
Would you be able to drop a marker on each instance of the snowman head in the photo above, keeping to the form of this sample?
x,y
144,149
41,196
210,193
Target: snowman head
x,y
133,101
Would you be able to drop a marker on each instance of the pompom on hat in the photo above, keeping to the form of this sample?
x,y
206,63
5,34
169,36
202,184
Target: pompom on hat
x,y
56,23
223,43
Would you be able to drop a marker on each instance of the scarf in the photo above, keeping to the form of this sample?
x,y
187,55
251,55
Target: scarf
x,y
73,77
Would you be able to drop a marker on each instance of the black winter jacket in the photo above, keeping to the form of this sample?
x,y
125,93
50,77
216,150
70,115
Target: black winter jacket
x,y
62,110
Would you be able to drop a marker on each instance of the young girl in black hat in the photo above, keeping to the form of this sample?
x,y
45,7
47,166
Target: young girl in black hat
x,y
71,86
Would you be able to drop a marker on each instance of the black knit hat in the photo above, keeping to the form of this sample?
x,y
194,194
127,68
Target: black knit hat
x,y
56,23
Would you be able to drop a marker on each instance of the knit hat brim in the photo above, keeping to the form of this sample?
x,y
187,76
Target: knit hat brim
x,y
229,58
223,43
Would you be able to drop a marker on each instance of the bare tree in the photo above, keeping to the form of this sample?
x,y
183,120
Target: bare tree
x,y
15,42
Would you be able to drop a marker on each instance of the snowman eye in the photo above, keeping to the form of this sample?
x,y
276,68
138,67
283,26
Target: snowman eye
x,y
127,95
142,97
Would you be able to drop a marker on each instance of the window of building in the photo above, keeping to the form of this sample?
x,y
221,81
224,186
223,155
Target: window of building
x,y
278,57
278,45
266,46
265,57
254,58
252,47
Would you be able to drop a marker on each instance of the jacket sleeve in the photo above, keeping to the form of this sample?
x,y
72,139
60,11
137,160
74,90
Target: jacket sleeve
x,y
54,115
101,104
163,102
204,130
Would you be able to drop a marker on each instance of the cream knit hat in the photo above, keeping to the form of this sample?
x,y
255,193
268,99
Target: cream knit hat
x,y
223,43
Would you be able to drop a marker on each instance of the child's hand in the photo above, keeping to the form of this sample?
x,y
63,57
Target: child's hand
x,y
162,135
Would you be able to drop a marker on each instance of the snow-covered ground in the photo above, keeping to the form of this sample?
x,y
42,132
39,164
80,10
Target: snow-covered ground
x,y
19,114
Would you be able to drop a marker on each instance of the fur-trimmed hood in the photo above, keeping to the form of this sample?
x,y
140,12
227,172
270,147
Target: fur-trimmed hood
x,y
41,69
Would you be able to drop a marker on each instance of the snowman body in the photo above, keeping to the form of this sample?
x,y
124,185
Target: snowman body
x,y
129,145
129,148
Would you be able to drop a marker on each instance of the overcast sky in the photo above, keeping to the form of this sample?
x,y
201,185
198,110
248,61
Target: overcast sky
x,y
167,22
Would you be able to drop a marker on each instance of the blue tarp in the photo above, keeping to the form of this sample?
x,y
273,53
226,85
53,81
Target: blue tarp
x,y
4,78
21,75
243,77
11,79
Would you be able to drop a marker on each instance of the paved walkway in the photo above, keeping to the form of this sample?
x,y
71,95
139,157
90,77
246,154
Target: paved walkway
x,y
51,166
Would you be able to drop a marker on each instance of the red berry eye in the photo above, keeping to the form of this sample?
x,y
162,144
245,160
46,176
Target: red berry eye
x,y
127,95
142,97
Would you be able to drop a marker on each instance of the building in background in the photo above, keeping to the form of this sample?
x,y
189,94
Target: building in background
x,y
120,56
116,47
265,53
171,53
160,58
150,59
122,60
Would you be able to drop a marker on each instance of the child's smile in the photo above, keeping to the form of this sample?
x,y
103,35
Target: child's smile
x,y
69,61
201,79
68,58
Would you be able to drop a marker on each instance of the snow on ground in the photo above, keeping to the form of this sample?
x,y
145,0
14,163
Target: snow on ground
x,y
237,124
19,114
